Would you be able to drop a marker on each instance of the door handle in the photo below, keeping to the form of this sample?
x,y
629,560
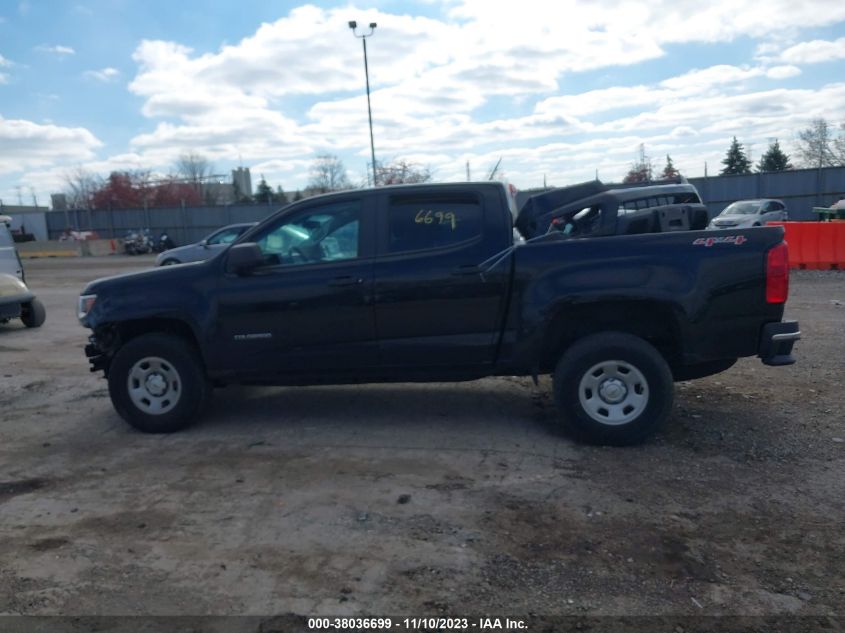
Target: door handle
x,y
339,282
466,270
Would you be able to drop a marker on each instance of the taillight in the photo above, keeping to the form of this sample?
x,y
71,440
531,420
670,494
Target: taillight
x,y
777,274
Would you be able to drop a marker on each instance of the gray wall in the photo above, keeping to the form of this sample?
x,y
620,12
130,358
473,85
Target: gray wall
x,y
800,189
184,226
35,223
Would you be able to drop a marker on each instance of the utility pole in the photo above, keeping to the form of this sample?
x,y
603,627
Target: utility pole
x,y
363,37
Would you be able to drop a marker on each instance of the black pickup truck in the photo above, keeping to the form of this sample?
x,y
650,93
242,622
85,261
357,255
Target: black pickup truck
x,y
610,291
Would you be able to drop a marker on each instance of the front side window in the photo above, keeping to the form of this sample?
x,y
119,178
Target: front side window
x,y
225,237
322,234
426,222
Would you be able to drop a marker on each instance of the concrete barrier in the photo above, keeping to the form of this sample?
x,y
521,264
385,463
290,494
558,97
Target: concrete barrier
x,y
98,248
50,248
56,248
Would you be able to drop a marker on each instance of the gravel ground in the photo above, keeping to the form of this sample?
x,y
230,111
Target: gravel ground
x,y
441,499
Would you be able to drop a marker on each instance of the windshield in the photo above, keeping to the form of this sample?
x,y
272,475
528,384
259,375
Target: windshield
x,y
741,208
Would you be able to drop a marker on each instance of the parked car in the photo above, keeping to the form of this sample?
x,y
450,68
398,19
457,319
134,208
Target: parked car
x,y
426,283
205,248
16,300
747,213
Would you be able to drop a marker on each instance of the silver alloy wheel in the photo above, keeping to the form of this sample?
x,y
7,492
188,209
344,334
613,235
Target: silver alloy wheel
x,y
613,392
154,385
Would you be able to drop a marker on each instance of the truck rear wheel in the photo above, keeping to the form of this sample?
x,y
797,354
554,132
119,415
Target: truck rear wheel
x,y
157,383
613,388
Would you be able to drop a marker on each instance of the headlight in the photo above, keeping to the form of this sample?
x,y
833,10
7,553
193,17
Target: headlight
x,y
11,286
86,302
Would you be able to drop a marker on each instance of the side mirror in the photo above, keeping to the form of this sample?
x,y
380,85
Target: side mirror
x,y
204,243
244,257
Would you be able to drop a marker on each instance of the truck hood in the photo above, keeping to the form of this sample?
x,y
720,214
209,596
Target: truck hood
x,y
147,280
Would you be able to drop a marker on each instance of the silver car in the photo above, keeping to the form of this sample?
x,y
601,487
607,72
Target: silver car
x,y
747,213
205,248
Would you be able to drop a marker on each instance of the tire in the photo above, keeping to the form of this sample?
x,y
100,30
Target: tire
x,y
157,383
170,262
33,313
613,389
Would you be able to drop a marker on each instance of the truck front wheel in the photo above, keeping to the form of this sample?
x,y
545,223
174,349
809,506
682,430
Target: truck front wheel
x,y
157,383
613,388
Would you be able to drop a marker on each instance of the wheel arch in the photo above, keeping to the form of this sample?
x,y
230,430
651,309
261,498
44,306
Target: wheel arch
x,y
112,336
656,322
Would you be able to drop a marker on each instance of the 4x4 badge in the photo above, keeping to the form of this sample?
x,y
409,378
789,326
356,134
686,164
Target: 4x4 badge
x,y
736,240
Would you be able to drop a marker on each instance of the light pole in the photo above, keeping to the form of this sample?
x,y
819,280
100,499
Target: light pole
x,y
363,37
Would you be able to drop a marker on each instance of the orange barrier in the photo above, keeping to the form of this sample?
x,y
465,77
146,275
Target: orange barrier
x,y
815,245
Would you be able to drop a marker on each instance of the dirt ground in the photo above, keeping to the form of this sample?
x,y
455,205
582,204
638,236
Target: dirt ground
x,y
442,499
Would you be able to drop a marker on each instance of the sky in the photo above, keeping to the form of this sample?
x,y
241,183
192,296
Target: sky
x,y
554,92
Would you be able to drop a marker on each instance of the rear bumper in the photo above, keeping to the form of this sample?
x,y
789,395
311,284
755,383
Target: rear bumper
x,y
776,342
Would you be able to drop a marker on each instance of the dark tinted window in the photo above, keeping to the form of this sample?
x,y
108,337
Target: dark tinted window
x,y
424,222
660,201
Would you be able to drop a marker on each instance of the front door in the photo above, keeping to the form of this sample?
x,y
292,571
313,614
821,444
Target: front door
x,y
308,309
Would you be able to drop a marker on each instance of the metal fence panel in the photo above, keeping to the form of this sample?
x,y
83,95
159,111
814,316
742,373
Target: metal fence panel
x,y
800,189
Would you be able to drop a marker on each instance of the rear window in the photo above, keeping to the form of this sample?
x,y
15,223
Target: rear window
x,y
662,200
426,222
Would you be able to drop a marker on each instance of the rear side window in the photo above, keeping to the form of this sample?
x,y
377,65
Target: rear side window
x,y
426,222
660,201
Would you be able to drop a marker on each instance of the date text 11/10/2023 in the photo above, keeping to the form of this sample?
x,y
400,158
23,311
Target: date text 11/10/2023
x,y
417,624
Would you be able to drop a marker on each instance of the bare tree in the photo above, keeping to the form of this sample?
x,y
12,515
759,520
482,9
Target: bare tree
x,y
81,185
815,145
401,171
327,174
193,167
839,145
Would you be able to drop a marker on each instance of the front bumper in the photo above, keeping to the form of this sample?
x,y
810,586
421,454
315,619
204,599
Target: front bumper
x,y
776,342
98,354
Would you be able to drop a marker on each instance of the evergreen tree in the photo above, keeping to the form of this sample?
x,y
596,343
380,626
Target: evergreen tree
x,y
669,170
297,196
774,159
264,193
736,161
280,196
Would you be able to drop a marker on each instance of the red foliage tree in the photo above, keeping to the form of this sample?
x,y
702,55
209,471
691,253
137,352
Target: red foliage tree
x,y
118,191
124,190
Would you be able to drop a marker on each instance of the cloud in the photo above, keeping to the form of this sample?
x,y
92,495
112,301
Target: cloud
x,y
444,90
104,74
28,145
783,72
4,61
55,50
814,52
4,78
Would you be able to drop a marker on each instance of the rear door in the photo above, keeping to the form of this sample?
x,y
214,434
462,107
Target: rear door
x,y
432,306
